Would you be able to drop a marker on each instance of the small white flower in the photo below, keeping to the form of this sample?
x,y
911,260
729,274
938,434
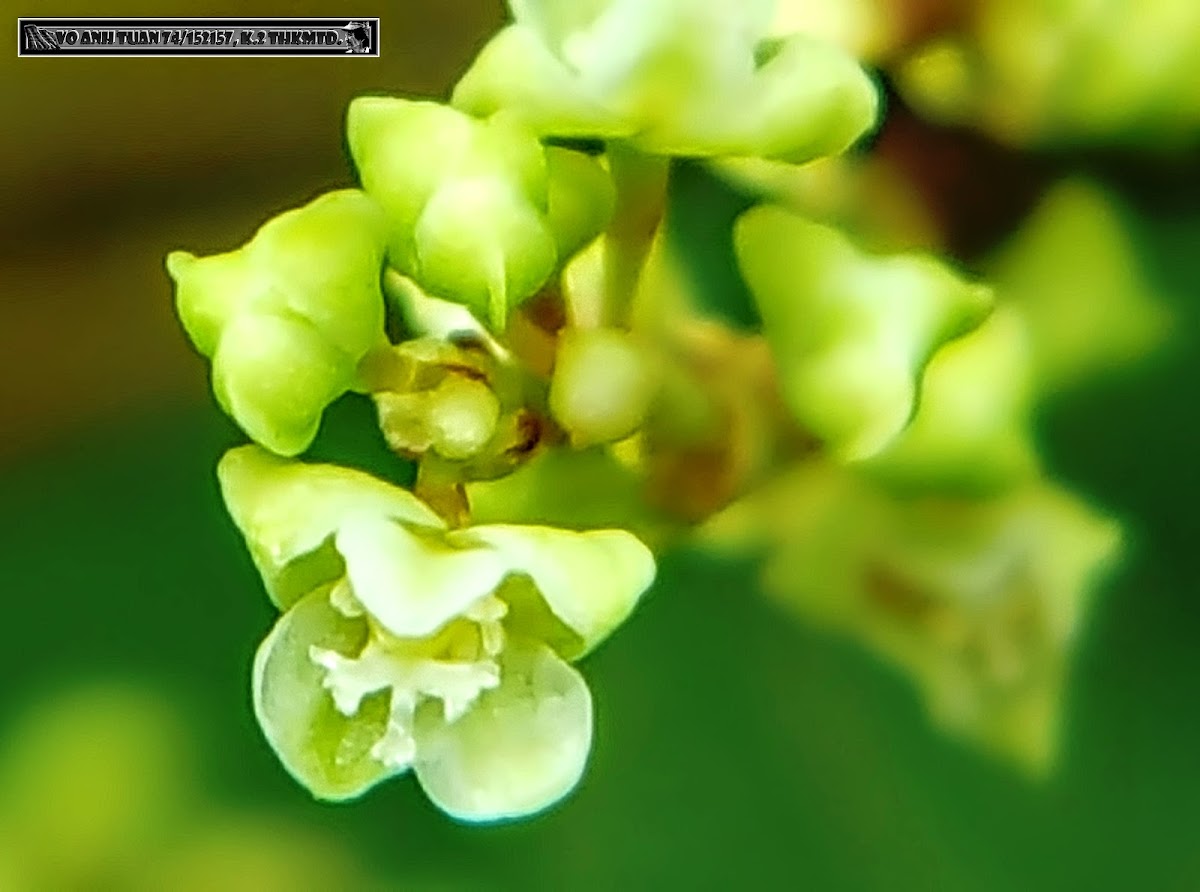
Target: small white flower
x,y
406,645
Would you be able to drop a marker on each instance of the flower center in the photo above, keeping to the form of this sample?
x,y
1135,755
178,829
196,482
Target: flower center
x,y
455,665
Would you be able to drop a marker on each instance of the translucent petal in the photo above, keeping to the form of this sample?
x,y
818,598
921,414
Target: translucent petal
x,y
433,317
414,584
288,510
674,77
521,748
851,332
979,601
591,581
810,99
327,752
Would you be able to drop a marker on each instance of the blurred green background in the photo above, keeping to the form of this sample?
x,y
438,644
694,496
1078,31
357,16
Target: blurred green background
x,y
735,747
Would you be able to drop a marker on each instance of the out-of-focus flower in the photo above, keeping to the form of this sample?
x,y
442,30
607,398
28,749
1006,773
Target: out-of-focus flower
x,y
287,317
866,195
1075,272
241,852
981,602
99,789
90,782
1051,71
408,645
851,333
673,77
477,211
972,429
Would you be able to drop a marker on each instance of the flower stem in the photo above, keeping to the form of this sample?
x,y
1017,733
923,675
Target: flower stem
x,y
641,184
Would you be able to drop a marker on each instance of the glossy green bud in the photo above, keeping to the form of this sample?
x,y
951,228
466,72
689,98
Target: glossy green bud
x,y
672,77
851,332
287,317
468,202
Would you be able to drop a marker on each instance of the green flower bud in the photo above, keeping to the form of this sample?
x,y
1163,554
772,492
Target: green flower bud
x,y
603,385
467,202
286,318
673,77
442,651
972,429
581,199
851,333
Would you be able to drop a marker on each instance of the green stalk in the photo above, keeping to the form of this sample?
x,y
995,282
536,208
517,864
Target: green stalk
x,y
641,185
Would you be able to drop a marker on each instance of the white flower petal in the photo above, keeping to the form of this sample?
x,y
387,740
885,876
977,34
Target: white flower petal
x,y
519,749
414,584
591,580
287,510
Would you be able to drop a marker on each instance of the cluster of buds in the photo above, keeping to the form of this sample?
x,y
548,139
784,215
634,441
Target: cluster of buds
x,y
499,286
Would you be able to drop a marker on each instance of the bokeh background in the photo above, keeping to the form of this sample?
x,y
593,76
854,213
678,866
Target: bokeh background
x,y
736,747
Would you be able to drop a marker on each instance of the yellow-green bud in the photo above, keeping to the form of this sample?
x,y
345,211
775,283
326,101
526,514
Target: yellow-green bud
x,y
603,385
850,332
471,205
287,317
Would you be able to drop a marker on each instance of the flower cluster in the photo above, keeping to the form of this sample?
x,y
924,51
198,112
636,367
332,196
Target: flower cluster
x,y
406,644
413,635
501,289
